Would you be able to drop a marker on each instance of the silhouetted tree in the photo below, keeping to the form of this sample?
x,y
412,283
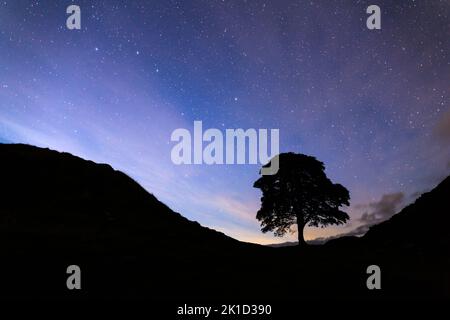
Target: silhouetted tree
x,y
299,193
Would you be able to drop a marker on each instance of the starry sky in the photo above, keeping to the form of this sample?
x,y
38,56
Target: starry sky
x,y
373,105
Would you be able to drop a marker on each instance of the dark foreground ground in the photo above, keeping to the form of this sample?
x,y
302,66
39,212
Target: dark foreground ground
x,y
58,210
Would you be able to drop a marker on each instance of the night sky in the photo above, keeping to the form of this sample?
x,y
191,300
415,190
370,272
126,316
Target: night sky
x,y
373,105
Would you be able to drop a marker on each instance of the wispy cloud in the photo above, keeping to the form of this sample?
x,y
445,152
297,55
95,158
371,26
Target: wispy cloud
x,y
383,209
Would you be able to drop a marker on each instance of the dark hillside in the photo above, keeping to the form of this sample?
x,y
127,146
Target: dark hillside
x,y
57,209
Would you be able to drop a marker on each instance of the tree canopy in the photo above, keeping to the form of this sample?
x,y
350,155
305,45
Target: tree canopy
x,y
299,193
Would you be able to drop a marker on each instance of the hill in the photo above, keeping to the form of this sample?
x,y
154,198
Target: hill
x,y
84,206
423,224
57,210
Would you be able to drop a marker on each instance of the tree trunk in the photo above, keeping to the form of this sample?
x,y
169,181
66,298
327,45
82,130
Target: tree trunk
x,y
300,226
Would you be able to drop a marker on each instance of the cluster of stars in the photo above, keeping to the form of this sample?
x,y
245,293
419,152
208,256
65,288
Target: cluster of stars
x,y
365,103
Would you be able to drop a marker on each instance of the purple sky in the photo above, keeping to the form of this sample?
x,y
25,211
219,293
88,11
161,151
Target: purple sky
x,y
372,105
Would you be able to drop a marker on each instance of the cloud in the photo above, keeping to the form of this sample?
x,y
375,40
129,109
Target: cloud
x,y
239,209
376,212
357,232
382,210
442,129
